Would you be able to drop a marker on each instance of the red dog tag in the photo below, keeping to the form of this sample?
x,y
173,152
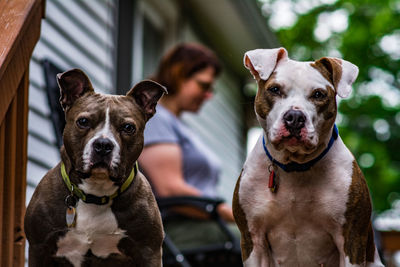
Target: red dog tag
x,y
272,182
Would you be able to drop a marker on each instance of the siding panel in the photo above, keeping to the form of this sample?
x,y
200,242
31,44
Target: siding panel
x,y
220,124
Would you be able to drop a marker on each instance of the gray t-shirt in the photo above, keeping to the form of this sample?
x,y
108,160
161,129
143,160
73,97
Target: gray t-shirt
x,y
199,169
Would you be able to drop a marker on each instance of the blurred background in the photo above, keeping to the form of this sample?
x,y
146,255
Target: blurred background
x,y
118,43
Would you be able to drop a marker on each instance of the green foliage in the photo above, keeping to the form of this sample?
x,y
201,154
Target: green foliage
x,y
368,22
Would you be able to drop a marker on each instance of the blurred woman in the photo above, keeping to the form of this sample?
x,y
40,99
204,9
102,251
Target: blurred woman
x,y
174,158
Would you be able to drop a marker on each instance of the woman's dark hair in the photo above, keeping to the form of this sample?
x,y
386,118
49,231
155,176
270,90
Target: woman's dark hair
x,y
181,62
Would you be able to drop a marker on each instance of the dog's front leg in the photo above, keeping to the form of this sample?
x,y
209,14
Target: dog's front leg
x,y
344,262
344,259
377,260
349,260
260,254
142,254
156,261
254,246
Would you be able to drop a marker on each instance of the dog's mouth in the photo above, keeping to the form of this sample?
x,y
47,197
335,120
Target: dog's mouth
x,y
290,138
293,140
284,138
99,169
100,165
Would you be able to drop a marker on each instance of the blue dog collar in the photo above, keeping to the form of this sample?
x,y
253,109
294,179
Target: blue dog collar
x,y
296,167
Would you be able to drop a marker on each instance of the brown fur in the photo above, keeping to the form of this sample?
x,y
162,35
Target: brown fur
x,y
357,231
121,110
245,242
135,210
330,68
328,108
44,229
265,100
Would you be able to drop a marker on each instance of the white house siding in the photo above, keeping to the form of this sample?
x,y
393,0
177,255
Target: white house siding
x,y
75,34
220,124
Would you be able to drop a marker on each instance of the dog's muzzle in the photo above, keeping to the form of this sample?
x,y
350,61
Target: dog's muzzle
x,y
102,152
294,121
103,146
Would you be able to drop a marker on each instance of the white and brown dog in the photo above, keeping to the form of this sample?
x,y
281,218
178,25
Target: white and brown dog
x,y
301,199
95,208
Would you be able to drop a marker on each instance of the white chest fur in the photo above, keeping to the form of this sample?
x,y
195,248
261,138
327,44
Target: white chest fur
x,y
305,216
96,229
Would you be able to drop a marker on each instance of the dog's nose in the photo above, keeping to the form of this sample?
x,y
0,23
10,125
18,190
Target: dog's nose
x,y
103,146
294,119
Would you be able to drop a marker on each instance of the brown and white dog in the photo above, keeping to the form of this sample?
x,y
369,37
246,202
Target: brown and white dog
x,y
301,199
95,208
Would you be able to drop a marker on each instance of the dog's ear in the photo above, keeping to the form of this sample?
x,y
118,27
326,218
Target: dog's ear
x,y
339,72
73,84
262,62
146,94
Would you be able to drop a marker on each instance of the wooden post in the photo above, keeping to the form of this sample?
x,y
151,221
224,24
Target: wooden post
x,y
19,32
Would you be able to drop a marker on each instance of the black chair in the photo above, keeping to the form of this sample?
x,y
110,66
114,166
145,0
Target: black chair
x,y
213,255
53,98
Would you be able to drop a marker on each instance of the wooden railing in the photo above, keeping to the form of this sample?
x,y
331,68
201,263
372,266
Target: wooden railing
x,y
19,31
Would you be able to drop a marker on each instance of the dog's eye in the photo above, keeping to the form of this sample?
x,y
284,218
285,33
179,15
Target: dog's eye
x,y
83,123
318,95
128,128
275,90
